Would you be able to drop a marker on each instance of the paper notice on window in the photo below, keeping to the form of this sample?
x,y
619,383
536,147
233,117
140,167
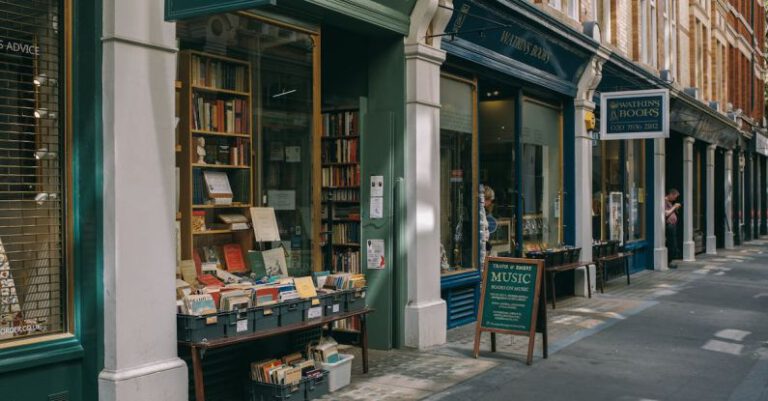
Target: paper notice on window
x,y
293,154
375,254
282,200
377,207
377,185
264,224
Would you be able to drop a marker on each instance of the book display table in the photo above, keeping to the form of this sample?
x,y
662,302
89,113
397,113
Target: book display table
x,y
198,348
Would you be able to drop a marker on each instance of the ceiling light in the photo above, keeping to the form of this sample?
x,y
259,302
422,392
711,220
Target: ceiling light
x,y
42,79
44,113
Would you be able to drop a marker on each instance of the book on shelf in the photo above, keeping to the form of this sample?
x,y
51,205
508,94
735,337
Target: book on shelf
x,y
340,176
217,187
234,221
213,73
199,304
341,151
340,124
212,114
233,256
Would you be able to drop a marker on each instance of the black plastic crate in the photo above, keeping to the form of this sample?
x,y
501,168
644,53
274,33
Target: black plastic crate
x,y
265,317
315,388
355,299
276,392
200,328
333,303
293,312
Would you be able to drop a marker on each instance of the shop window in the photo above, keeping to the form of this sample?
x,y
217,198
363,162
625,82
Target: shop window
x,y
458,183
248,90
34,273
541,176
618,191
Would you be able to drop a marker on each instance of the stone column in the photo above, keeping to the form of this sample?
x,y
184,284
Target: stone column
x,y
425,313
728,187
710,204
139,70
582,148
660,261
689,248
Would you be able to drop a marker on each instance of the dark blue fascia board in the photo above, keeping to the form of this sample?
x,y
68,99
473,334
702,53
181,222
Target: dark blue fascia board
x,y
488,58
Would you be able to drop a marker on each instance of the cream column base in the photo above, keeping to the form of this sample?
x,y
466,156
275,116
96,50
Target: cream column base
x,y
165,380
711,245
580,281
729,240
689,251
660,262
425,324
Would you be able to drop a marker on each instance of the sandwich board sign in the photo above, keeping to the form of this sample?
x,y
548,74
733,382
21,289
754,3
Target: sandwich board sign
x,y
511,301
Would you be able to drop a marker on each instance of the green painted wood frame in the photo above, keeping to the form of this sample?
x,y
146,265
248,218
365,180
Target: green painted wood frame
x,y
71,363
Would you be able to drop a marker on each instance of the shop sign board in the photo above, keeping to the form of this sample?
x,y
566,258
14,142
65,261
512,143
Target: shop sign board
x,y
761,144
510,36
181,9
510,300
634,114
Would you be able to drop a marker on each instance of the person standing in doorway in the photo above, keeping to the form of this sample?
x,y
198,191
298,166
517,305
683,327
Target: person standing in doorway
x,y
670,222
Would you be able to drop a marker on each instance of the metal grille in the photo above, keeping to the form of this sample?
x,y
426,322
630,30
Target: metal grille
x,y
32,275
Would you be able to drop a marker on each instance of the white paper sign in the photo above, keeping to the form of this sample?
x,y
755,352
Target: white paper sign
x,y
293,154
315,312
376,254
242,325
377,185
335,308
282,200
264,224
377,207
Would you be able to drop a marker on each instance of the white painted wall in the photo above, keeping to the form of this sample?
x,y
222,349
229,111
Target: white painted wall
x,y
139,69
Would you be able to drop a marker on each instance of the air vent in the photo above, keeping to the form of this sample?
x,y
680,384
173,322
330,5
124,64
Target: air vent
x,y
62,396
693,92
714,105
667,76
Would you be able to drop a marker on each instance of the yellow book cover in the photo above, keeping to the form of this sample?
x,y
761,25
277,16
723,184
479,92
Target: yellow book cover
x,y
305,287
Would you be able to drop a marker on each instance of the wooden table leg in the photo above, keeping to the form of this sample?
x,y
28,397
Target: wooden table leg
x,y
493,342
554,292
364,340
197,370
589,282
626,267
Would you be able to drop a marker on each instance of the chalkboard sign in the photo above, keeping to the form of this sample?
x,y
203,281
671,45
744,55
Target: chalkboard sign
x,y
510,299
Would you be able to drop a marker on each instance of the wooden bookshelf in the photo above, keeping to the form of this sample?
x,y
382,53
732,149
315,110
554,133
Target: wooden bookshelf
x,y
214,104
340,178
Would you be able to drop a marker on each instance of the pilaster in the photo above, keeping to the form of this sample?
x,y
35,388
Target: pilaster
x,y
710,201
689,247
139,70
425,313
659,235
728,187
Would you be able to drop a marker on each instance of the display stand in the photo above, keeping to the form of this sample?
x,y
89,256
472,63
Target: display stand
x,y
198,348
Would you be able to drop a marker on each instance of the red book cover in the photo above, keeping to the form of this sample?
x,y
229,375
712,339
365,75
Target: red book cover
x,y
233,255
209,280
266,296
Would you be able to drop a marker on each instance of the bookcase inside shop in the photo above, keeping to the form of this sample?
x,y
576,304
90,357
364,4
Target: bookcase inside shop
x,y
341,213
215,158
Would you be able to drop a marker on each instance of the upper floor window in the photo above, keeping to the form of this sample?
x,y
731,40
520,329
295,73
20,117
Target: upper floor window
x,y
33,148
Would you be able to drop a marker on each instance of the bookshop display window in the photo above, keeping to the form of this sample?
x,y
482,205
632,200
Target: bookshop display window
x,y
541,175
35,300
458,172
246,101
618,193
496,119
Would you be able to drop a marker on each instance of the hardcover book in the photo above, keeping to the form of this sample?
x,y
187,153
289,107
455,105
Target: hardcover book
x,y
233,256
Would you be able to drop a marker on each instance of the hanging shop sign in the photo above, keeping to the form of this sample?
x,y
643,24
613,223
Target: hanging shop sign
x,y
181,9
634,114
510,301
761,144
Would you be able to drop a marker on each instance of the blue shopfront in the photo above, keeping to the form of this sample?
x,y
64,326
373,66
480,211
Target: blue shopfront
x,y
506,142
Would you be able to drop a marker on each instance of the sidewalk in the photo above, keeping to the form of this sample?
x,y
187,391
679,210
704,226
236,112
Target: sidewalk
x,y
411,375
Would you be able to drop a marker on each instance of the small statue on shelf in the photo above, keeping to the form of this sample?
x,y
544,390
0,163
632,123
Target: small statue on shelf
x,y
200,150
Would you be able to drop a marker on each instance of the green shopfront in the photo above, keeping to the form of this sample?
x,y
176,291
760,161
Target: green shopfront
x,y
507,149
50,208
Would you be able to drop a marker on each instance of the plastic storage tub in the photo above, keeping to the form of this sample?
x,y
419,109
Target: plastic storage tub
x,y
355,299
265,317
316,388
339,373
293,312
197,329
333,303
276,392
